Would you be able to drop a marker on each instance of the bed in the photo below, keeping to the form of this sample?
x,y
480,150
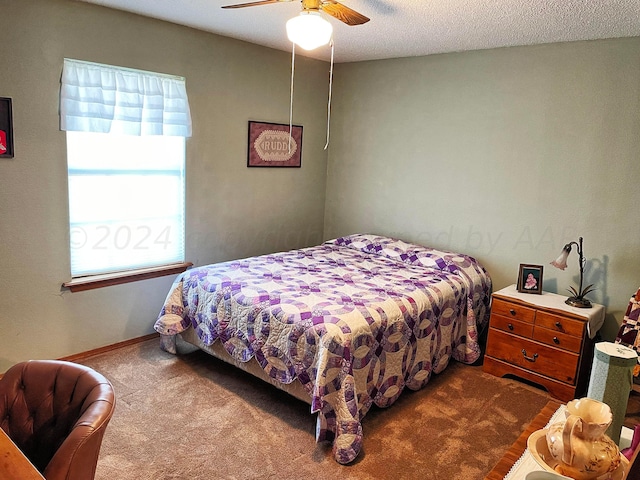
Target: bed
x,y
343,325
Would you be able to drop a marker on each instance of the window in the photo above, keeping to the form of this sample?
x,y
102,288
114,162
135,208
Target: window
x,y
126,134
126,201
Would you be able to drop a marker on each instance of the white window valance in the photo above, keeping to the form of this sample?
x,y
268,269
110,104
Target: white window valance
x,y
106,99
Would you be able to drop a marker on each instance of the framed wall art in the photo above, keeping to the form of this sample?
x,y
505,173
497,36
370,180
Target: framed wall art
x,y
271,146
530,278
6,128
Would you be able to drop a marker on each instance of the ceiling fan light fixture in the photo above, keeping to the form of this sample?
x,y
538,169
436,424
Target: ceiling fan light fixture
x,y
309,30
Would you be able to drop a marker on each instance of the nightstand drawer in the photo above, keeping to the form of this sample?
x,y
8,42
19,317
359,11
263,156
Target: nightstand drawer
x,y
544,360
510,325
511,310
560,324
557,339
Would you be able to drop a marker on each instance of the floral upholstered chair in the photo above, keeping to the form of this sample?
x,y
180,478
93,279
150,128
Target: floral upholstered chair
x,y
629,332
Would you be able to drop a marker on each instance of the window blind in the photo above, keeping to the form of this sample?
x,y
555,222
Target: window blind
x,y
126,134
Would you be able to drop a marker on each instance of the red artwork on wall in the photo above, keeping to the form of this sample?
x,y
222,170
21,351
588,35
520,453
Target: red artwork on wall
x,y
6,128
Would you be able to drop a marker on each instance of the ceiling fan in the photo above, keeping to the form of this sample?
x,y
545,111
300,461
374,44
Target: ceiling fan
x,y
330,7
309,31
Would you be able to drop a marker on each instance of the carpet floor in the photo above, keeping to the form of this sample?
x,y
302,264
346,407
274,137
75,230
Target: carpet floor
x,y
192,416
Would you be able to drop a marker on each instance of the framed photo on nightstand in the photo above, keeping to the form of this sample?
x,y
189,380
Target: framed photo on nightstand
x,y
530,279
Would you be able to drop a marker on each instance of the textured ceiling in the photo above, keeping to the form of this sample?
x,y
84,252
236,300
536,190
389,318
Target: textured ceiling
x,y
403,28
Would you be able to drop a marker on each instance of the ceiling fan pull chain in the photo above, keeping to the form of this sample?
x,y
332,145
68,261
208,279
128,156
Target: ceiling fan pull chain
x,y
293,62
329,102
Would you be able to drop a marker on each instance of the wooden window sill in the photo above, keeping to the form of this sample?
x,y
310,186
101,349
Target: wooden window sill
x,y
108,279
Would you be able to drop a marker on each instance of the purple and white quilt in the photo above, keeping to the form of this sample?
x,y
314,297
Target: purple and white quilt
x,y
356,320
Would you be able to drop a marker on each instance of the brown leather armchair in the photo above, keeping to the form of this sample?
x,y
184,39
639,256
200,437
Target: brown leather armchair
x,y
56,412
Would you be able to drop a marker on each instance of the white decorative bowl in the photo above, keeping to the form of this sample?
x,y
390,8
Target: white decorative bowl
x,y
545,475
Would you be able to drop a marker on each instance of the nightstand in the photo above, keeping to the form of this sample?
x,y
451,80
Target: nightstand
x,y
543,340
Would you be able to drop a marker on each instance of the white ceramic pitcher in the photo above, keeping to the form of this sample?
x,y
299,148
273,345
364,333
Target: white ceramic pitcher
x,y
579,444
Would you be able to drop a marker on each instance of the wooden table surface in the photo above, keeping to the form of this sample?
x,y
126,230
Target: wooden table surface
x,y
520,445
13,464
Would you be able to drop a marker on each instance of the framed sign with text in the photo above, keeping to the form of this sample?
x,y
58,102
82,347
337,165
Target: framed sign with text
x,y
270,145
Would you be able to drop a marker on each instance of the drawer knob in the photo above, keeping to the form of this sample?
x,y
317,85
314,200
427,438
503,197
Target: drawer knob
x,y
512,311
556,340
529,359
559,325
510,326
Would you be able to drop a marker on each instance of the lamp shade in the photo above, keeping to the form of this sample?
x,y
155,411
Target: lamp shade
x,y
561,261
309,30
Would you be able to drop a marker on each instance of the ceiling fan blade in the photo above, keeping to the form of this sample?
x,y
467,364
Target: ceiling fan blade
x,y
343,13
254,4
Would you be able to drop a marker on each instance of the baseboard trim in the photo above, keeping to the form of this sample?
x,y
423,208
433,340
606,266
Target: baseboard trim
x,y
108,348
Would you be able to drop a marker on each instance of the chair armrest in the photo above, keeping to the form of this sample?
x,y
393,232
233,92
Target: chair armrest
x,y
77,457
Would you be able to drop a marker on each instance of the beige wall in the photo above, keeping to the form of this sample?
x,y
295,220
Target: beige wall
x,y
232,211
504,154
